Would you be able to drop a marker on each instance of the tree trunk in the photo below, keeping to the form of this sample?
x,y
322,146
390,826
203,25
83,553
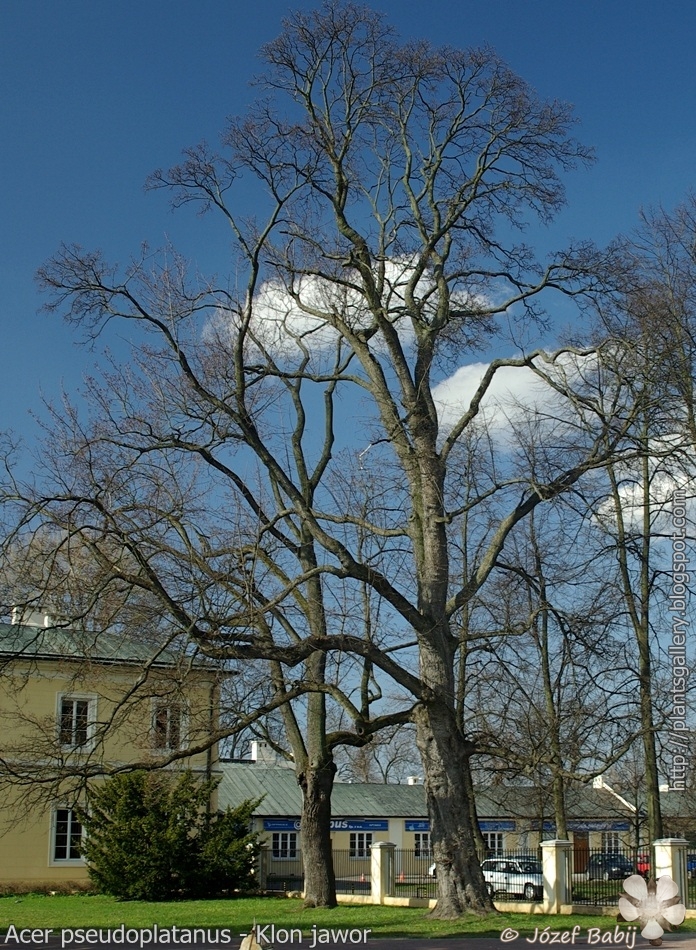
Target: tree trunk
x,y
638,604
559,809
460,883
652,774
319,880
473,814
645,676
439,735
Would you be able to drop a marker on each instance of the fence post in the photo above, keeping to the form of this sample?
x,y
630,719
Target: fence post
x,y
558,880
382,871
670,858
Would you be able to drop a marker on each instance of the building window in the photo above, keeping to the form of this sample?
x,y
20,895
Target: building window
x,y
422,844
493,841
168,727
67,835
610,841
76,717
284,844
360,844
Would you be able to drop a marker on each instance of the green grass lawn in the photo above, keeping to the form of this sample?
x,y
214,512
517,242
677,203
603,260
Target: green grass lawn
x,y
60,912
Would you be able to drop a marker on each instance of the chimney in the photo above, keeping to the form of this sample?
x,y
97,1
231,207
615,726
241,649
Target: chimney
x,y
414,780
31,618
264,755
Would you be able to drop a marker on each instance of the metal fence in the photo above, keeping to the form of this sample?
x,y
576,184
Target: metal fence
x,y
286,872
278,873
414,873
598,876
690,900
510,875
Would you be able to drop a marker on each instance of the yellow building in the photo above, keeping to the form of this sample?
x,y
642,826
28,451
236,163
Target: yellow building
x,y
75,706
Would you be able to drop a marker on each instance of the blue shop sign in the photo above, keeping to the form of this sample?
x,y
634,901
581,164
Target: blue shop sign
x,y
483,825
590,825
359,824
337,824
281,824
599,826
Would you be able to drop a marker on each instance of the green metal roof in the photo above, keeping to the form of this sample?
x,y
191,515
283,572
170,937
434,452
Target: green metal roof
x,y
533,802
679,803
283,798
67,643
379,801
279,786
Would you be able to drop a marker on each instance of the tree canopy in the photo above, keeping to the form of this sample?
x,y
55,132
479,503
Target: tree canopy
x,y
279,462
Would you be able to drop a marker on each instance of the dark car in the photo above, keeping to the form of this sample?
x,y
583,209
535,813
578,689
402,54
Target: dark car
x,y
691,865
609,867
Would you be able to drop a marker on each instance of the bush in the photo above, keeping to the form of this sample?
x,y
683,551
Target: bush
x,y
150,837
229,852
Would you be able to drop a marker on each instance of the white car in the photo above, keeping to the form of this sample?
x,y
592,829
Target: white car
x,y
514,876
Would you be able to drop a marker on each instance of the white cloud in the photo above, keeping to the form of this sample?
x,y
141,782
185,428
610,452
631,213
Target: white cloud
x,y
511,387
514,391
285,323
666,476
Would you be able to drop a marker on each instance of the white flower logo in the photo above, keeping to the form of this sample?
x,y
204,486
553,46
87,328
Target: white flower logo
x,y
655,905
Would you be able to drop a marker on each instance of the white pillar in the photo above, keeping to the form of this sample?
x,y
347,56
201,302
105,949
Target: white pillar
x,y
382,871
558,876
670,858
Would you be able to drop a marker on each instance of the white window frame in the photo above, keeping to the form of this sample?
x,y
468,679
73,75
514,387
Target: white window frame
x,y
284,841
91,700
611,842
160,704
360,844
54,861
422,844
495,842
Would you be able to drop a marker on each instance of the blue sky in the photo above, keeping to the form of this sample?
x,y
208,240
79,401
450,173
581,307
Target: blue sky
x,y
95,95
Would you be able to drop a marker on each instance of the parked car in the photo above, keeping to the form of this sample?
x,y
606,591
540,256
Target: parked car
x,y
521,875
691,865
609,867
643,864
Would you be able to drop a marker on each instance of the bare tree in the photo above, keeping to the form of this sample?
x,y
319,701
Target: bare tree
x,y
658,310
75,623
553,699
650,364
391,757
630,511
389,179
95,588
